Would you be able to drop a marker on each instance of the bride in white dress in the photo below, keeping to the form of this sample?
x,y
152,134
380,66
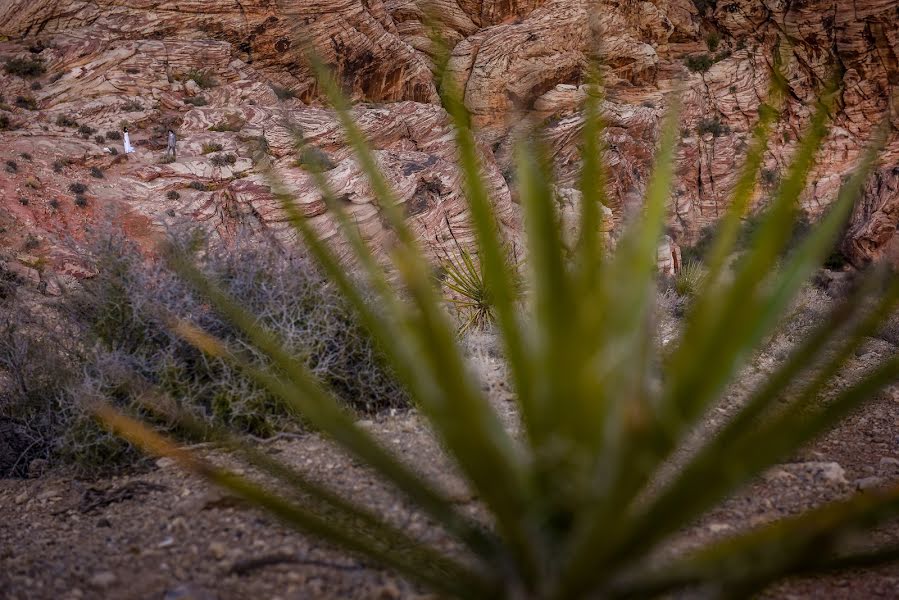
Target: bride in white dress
x,y
128,147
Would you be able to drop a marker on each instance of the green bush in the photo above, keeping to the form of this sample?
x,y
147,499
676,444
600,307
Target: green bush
x,y
66,121
283,93
699,63
315,160
712,40
221,160
689,279
25,67
196,101
202,78
113,135
26,102
210,147
713,126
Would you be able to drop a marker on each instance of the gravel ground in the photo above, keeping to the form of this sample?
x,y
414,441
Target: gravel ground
x,y
163,534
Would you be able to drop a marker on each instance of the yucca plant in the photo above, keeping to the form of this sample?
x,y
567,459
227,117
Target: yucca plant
x,y
688,280
577,505
462,274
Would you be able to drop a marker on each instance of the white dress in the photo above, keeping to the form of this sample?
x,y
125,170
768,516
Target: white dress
x,y
128,147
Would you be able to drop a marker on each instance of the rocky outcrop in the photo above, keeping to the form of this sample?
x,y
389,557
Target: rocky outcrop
x,y
234,74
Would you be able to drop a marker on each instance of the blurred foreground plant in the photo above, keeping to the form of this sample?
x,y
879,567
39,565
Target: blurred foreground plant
x,y
577,506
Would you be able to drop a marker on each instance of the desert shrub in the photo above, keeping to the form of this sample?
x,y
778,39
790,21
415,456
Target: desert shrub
x,y
223,126
704,5
96,172
59,165
283,93
689,279
198,185
220,160
100,139
132,106
712,40
26,102
5,123
30,409
314,160
37,47
210,147
769,177
113,135
86,131
25,156
53,203
202,78
801,226
113,151
23,201
35,86
121,320
12,166
25,67
80,201
9,284
196,101
699,63
713,126
66,121
77,187
172,195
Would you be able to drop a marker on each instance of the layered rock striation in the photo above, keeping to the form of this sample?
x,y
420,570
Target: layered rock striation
x,y
232,74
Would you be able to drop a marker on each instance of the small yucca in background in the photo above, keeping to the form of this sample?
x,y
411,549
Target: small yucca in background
x,y
688,280
576,506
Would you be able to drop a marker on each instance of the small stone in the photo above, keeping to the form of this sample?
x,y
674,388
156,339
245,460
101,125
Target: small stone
x,y
165,462
103,522
103,579
868,483
889,461
830,472
388,591
21,498
189,591
218,550
37,467
719,527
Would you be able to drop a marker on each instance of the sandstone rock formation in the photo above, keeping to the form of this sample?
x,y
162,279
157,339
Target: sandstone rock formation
x,y
233,74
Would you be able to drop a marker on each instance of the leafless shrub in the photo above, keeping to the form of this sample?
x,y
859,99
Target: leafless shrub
x,y
120,321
